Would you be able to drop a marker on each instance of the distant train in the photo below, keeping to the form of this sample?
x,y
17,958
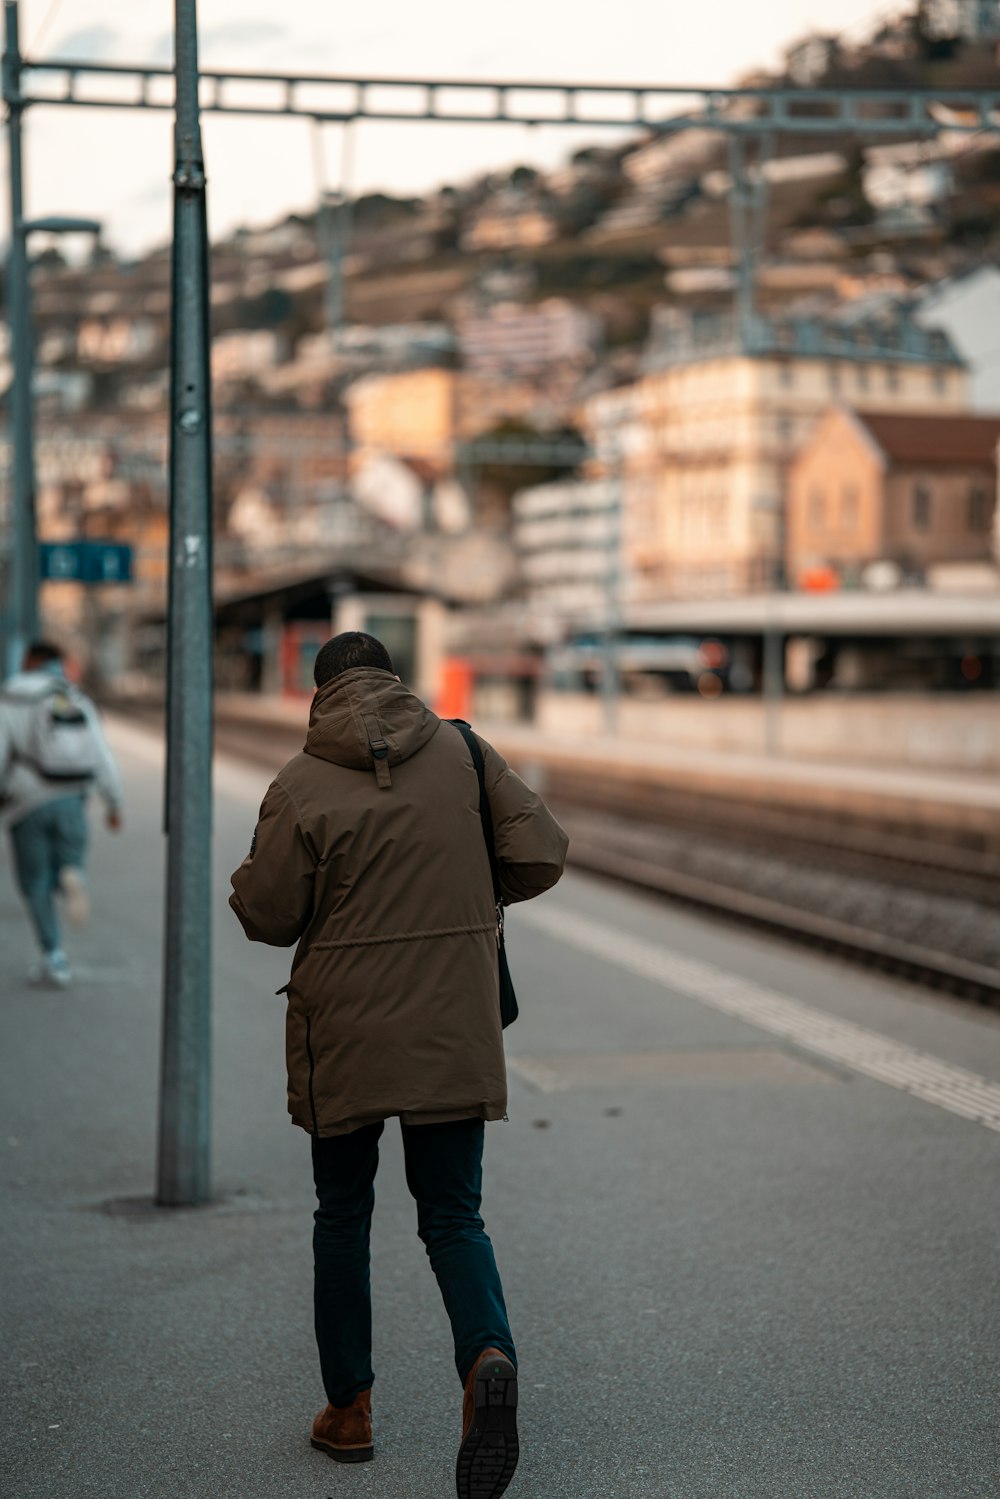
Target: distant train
x,y
648,666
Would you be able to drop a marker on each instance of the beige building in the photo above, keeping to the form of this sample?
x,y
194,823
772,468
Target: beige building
x,y
412,412
721,429
425,413
914,491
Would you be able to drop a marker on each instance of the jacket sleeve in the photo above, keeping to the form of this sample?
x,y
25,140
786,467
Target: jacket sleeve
x,y
530,844
6,743
273,889
106,777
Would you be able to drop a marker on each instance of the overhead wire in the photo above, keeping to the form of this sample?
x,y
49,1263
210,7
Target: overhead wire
x,y
46,22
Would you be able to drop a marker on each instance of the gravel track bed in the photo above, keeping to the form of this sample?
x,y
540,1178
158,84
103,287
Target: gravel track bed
x,y
940,921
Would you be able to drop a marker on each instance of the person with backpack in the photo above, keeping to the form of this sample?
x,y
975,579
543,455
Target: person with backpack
x,y
52,753
385,851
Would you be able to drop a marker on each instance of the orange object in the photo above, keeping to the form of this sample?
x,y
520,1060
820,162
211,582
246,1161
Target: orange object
x,y
455,696
819,579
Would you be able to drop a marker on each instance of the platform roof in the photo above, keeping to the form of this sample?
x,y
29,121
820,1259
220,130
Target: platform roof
x,y
905,611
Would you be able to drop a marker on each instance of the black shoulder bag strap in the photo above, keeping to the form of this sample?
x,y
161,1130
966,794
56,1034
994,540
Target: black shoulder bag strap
x,y
508,999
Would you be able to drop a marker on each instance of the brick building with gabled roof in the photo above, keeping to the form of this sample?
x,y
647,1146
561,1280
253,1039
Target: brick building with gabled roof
x,y
914,489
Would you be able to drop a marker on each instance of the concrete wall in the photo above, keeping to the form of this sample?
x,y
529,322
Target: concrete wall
x,y
943,732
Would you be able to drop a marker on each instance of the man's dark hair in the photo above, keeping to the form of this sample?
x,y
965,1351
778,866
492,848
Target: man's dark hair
x,y
346,651
41,652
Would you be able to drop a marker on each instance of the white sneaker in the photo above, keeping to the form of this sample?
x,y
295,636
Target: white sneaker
x,y
72,885
50,972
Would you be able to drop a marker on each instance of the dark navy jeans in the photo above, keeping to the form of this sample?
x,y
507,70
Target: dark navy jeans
x,y
444,1172
47,841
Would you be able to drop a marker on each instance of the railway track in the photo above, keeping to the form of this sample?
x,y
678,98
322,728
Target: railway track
x,y
925,911
618,851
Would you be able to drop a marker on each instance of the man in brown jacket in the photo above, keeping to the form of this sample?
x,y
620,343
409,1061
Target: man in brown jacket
x,y
369,855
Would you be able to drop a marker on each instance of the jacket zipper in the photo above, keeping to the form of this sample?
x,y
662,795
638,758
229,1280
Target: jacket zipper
x,y
309,1054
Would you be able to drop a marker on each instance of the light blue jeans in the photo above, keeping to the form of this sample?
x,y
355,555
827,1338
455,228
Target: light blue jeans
x,y
47,841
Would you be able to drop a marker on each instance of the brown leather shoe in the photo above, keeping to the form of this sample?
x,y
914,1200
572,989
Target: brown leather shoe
x,y
489,1451
345,1431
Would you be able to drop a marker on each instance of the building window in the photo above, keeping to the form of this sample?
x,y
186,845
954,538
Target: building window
x,y
817,509
939,380
849,507
892,378
921,507
833,376
786,374
862,377
980,509
785,429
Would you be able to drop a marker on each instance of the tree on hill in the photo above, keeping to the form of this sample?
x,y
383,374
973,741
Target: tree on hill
x,y
380,210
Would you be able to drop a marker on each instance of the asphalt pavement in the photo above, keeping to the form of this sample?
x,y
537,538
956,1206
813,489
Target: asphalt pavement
x,y
748,1253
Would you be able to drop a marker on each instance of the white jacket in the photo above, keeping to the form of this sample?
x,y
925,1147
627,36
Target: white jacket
x,y
22,788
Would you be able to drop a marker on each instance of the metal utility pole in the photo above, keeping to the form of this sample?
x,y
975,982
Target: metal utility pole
x,y
748,197
610,676
184,1174
333,223
773,684
22,616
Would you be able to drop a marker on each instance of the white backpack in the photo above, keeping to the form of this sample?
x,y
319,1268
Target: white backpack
x,y
62,744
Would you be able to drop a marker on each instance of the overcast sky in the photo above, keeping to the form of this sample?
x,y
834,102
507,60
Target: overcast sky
x,y
116,166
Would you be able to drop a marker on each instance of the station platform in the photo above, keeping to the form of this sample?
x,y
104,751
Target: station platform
x,y
938,805
743,1206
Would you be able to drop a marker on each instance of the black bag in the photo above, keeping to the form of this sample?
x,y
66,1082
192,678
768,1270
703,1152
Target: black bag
x,y
508,999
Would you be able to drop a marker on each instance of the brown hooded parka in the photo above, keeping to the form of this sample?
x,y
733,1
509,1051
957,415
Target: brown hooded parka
x,y
369,854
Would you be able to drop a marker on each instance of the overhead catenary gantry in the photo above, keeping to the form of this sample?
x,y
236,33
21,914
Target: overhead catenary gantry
x,y
470,101
751,117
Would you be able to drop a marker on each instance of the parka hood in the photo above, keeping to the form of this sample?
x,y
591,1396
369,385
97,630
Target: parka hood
x,y
365,719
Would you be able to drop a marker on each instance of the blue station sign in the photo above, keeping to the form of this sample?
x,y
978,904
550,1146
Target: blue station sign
x,y
85,562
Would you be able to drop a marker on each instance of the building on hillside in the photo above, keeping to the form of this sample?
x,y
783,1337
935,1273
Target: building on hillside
x,y
911,490
622,442
410,494
967,309
244,354
411,413
391,346
62,392
429,417
567,542
511,220
116,340
484,402
911,175
973,20
807,60
724,416
674,157
323,361
527,339
593,166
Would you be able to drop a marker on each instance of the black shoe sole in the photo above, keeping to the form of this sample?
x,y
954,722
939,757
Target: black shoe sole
x,y
345,1454
488,1455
